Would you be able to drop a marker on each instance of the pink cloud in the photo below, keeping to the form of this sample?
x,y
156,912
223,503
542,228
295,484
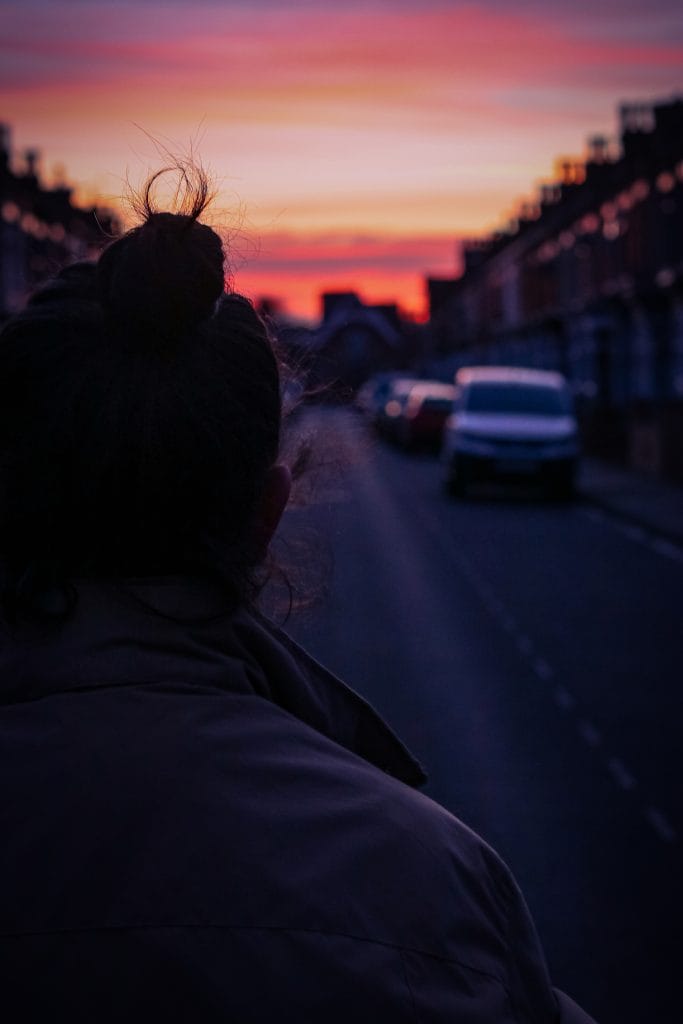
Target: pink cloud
x,y
451,110
358,55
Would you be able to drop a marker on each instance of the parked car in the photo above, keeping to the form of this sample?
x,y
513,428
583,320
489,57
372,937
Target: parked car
x,y
424,414
511,423
388,415
371,395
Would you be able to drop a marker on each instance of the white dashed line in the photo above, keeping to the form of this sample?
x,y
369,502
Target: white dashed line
x,y
636,533
660,824
620,773
563,698
589,733
666,548
594,514
543,669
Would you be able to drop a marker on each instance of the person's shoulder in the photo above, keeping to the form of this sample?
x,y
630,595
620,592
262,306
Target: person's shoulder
x,y
433,881
457,861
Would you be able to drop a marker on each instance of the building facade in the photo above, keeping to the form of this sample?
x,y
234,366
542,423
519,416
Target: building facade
x,y
41,229
588,280
353,341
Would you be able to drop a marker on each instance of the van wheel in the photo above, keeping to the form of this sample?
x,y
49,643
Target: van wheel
x,y
561,486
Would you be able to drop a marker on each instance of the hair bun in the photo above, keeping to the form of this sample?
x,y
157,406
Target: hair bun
x,y
162,277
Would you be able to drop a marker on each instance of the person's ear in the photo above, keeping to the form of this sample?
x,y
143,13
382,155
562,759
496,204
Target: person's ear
x,y
273,501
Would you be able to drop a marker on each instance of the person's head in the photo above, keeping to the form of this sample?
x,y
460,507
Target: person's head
x,y
139,420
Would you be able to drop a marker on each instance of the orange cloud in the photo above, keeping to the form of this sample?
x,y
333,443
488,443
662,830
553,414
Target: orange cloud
x,y
395,120
298,269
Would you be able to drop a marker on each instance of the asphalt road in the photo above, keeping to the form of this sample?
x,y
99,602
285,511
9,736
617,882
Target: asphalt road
x,y
530,655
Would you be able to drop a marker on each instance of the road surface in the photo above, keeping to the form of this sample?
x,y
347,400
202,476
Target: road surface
x,y
530,655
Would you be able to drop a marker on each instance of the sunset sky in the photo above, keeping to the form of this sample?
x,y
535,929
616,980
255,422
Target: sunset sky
x,y
351,144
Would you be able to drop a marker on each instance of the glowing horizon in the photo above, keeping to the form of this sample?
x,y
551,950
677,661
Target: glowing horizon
x,y
351,147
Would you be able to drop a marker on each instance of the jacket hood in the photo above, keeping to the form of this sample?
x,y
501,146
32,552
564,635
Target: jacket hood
x,y
177,633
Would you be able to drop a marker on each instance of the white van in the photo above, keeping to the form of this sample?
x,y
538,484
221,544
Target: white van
x,y
511,423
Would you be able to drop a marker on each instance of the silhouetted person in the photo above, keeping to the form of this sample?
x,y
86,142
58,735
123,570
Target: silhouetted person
x,y
198,822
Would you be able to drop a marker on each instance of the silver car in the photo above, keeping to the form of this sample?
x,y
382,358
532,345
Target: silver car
x,y
511,423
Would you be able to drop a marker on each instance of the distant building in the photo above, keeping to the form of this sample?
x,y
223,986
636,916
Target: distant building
x,y
41,229
354,340
588,280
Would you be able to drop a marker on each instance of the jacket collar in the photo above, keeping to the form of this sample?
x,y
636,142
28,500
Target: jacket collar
x,y
173,631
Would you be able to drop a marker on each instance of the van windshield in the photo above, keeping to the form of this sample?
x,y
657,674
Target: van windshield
x,y
507,397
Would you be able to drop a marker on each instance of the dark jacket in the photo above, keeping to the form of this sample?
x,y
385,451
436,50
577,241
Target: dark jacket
x,y
199,823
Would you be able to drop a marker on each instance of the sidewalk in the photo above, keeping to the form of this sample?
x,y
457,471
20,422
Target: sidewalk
x,y
643,500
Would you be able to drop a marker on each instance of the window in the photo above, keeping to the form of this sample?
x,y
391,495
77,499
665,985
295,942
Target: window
x,y
490,396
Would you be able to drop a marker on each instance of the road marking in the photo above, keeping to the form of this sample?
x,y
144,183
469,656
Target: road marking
x,y
620,773
543,669
595,514
636,533
666,548
564,699
589,733
661,826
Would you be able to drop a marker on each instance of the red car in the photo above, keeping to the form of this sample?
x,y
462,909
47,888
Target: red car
x,y
424,414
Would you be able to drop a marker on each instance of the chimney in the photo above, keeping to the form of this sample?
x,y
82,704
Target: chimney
x,y
31,158
597,149
637,123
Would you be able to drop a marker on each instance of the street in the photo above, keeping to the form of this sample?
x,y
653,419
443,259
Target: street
x,y
529,654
